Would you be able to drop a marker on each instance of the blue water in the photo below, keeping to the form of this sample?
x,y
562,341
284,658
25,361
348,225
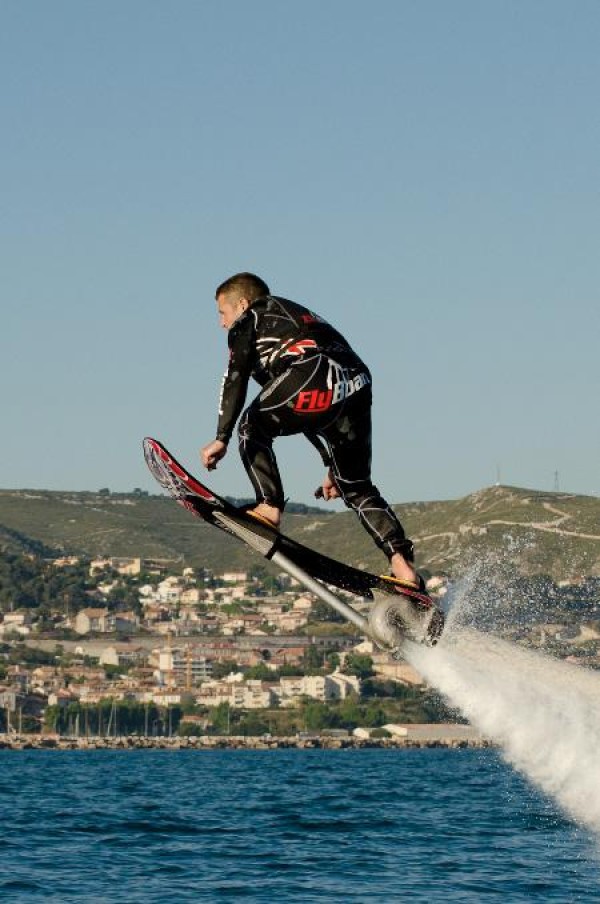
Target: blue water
x,y
286,826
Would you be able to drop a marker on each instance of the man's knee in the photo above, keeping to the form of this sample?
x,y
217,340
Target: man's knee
x,y
245,427
251,424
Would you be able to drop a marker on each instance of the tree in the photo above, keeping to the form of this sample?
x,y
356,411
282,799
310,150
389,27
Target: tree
x,y
221,718
350,714
359,665
313,659
319,715
226,667
320,611
259,672
190,729
383,688
333,660
253,724
113,672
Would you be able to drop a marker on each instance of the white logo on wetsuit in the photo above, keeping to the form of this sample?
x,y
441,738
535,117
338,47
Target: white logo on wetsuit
x,y
344,388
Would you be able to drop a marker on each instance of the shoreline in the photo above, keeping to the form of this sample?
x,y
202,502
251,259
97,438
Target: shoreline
x,y
422,736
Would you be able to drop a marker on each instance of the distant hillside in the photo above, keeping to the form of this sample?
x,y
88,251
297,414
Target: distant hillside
x,y
15,542
537,533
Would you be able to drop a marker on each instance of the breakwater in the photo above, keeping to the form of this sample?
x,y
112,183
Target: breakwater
x,y
455,736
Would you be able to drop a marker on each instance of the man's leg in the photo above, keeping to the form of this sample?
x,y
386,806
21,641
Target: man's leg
x,y
258,458
273,413
349,442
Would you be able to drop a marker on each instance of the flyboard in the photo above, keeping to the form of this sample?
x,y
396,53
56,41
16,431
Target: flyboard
x,y
399,610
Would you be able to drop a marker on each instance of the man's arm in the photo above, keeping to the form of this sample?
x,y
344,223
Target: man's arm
x,y
328,489
233,389
235,381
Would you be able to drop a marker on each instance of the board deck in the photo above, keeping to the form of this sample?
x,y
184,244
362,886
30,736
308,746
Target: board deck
x,y
202,502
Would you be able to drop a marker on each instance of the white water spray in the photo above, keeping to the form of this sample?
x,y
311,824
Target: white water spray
x,y
544,713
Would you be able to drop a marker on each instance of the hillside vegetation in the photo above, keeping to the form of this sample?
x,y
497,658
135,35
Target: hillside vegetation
x,y
556,534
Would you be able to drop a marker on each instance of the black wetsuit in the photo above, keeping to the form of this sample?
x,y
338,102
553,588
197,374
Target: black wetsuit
x,y
312,383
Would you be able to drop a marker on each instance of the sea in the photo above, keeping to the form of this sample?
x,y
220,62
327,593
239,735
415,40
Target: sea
x,y
519,821
285,825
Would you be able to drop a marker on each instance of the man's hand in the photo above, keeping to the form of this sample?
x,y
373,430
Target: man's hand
x,y
213,453
328,489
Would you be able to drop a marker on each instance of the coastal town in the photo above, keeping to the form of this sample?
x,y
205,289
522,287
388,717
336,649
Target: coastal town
x,y
106,647
132,644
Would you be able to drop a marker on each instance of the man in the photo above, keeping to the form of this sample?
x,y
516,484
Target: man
x,y
312,383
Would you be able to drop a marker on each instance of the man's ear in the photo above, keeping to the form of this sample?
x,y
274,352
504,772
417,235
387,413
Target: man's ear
x,y
244,304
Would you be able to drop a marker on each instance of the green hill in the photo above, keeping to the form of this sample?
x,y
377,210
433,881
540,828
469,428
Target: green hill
x,y
549,533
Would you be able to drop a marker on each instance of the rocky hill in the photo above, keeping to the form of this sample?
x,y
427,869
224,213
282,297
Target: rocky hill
x,y
556,534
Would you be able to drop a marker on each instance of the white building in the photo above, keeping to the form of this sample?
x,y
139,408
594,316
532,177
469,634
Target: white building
x,y
16,623
190,596
182,666
169,590
239,695
234,577
123,655
88,620
126,566
319,687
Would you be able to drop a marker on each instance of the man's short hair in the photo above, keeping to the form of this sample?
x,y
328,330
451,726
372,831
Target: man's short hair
x,y
247,285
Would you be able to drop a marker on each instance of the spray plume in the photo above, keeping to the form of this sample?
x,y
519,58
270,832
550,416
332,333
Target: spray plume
x,y
544,713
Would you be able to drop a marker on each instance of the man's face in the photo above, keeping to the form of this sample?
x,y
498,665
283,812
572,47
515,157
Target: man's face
x,y
230,307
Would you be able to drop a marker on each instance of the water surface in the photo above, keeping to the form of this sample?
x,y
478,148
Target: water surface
x,y
286,825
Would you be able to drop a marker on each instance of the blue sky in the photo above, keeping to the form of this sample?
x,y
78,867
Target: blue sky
x,y
423,174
